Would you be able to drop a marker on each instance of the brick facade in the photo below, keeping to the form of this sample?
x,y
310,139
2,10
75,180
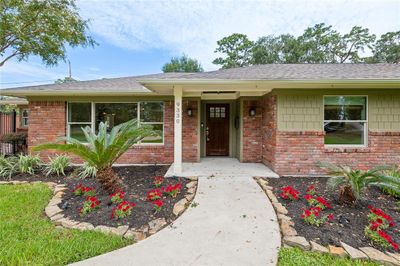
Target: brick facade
x,y
47,122
252,132
298,152
269,127
190,132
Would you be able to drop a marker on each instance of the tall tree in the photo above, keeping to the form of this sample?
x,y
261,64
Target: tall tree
x,y
42,28
182,64
387,49
237,49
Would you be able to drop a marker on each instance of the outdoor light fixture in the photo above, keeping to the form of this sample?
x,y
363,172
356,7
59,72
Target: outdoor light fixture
x,y
189,112
252,111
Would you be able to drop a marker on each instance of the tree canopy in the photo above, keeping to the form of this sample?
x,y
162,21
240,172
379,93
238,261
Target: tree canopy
x,y
42,28
182,64
318,44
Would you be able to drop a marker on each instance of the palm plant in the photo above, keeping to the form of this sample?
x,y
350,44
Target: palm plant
x,y
101,150
352,182
393,172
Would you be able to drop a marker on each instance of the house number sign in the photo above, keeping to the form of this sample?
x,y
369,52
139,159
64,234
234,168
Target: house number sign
x,y
177,112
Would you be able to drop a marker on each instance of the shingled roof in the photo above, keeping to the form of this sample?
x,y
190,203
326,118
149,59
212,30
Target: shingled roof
x,y
271,72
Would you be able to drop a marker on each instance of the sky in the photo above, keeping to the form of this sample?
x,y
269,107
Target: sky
x,y
138,37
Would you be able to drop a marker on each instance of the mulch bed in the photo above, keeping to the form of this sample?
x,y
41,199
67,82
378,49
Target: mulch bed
x,y
349,221
137,181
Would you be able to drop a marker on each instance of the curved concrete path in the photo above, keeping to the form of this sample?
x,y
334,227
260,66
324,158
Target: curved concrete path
x,y
233,224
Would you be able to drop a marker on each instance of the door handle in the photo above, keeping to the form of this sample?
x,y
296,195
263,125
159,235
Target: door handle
x,y
207,134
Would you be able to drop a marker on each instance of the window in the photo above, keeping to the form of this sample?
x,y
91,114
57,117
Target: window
x,y
345,120
79,115
24,117
150,113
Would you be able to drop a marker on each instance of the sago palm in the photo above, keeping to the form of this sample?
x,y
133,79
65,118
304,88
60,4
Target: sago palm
x,y
101,150
352,182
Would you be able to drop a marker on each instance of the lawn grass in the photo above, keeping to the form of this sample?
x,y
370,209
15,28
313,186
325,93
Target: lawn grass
x,y
27,237
298,257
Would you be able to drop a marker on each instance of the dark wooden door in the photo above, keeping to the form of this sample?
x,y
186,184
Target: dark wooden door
x,y
217,130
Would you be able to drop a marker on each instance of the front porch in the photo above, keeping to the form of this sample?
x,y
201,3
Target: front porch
x,y
223,166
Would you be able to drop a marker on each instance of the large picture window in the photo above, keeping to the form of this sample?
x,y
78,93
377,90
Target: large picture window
x,y
91,114
345,120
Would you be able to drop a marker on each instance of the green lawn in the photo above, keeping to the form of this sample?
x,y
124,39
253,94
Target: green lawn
x,y
298,257
27,237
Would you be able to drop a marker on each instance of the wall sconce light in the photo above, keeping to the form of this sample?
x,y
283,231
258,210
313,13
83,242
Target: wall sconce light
x,y
252,111
189,112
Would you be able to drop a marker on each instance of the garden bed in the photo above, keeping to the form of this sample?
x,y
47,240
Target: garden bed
x,y
348,221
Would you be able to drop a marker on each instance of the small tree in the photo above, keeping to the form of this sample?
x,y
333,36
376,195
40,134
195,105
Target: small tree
x,y
41,28
182,64
101,150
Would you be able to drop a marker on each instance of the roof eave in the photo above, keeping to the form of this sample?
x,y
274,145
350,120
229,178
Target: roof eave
x,y
28,93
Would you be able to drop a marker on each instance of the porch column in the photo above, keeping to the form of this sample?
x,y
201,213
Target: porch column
x,y
178,130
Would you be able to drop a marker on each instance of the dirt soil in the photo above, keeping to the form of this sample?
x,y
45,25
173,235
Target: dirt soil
x,y
349,221
137,181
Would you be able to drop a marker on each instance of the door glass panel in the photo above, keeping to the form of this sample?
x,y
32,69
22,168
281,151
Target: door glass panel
x,y
216,114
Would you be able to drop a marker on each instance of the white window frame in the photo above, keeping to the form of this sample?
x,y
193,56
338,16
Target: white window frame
x,y
365,122
93,119
24,118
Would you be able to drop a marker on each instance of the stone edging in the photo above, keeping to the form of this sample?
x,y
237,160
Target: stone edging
x,y
54,213
290,238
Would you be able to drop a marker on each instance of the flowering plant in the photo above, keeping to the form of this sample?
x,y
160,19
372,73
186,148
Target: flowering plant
x,y
80,190
154,194
377,221
158,181
289,193
311,190
157,205
377,216
90,204
123,210
312,216
117,197
319,202
173,190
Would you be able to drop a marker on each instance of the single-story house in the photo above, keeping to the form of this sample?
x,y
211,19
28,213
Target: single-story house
x,y
286,116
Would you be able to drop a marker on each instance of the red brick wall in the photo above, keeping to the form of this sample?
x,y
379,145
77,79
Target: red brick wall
x,y
252,132
298,152
269,127
46,123
190,132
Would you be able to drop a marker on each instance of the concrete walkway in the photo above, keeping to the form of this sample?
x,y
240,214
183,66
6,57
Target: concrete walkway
x,y
233,224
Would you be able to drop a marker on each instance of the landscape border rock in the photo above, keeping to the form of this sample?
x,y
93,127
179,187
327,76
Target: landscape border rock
x,y
290,238
56,216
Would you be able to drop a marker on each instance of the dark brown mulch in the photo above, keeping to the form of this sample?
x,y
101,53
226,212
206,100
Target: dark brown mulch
x,y
137,181
349,221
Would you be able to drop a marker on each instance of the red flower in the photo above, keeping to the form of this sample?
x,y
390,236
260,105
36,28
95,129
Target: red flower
x,y
330,217
308,197
158,203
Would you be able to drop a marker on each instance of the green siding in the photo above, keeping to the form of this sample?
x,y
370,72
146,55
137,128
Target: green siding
x,y
302,110
384,112
299,112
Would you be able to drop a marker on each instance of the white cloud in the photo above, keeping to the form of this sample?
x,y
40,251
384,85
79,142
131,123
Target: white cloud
x,y
193,27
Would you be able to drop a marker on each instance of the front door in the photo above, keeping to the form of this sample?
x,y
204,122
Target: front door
x,y
217,129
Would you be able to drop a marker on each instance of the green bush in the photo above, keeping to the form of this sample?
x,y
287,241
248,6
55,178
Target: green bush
x,y
8,166
395,174
57,165
28,163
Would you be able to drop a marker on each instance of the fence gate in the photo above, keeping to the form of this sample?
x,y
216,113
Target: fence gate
x,y
8,125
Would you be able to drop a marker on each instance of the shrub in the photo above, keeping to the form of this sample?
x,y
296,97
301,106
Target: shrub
x,y
14,137
87,170
352,183
90,204
117,197
377,222
394,173
124,209
28,163
101,150
8,166
57,165
289,193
